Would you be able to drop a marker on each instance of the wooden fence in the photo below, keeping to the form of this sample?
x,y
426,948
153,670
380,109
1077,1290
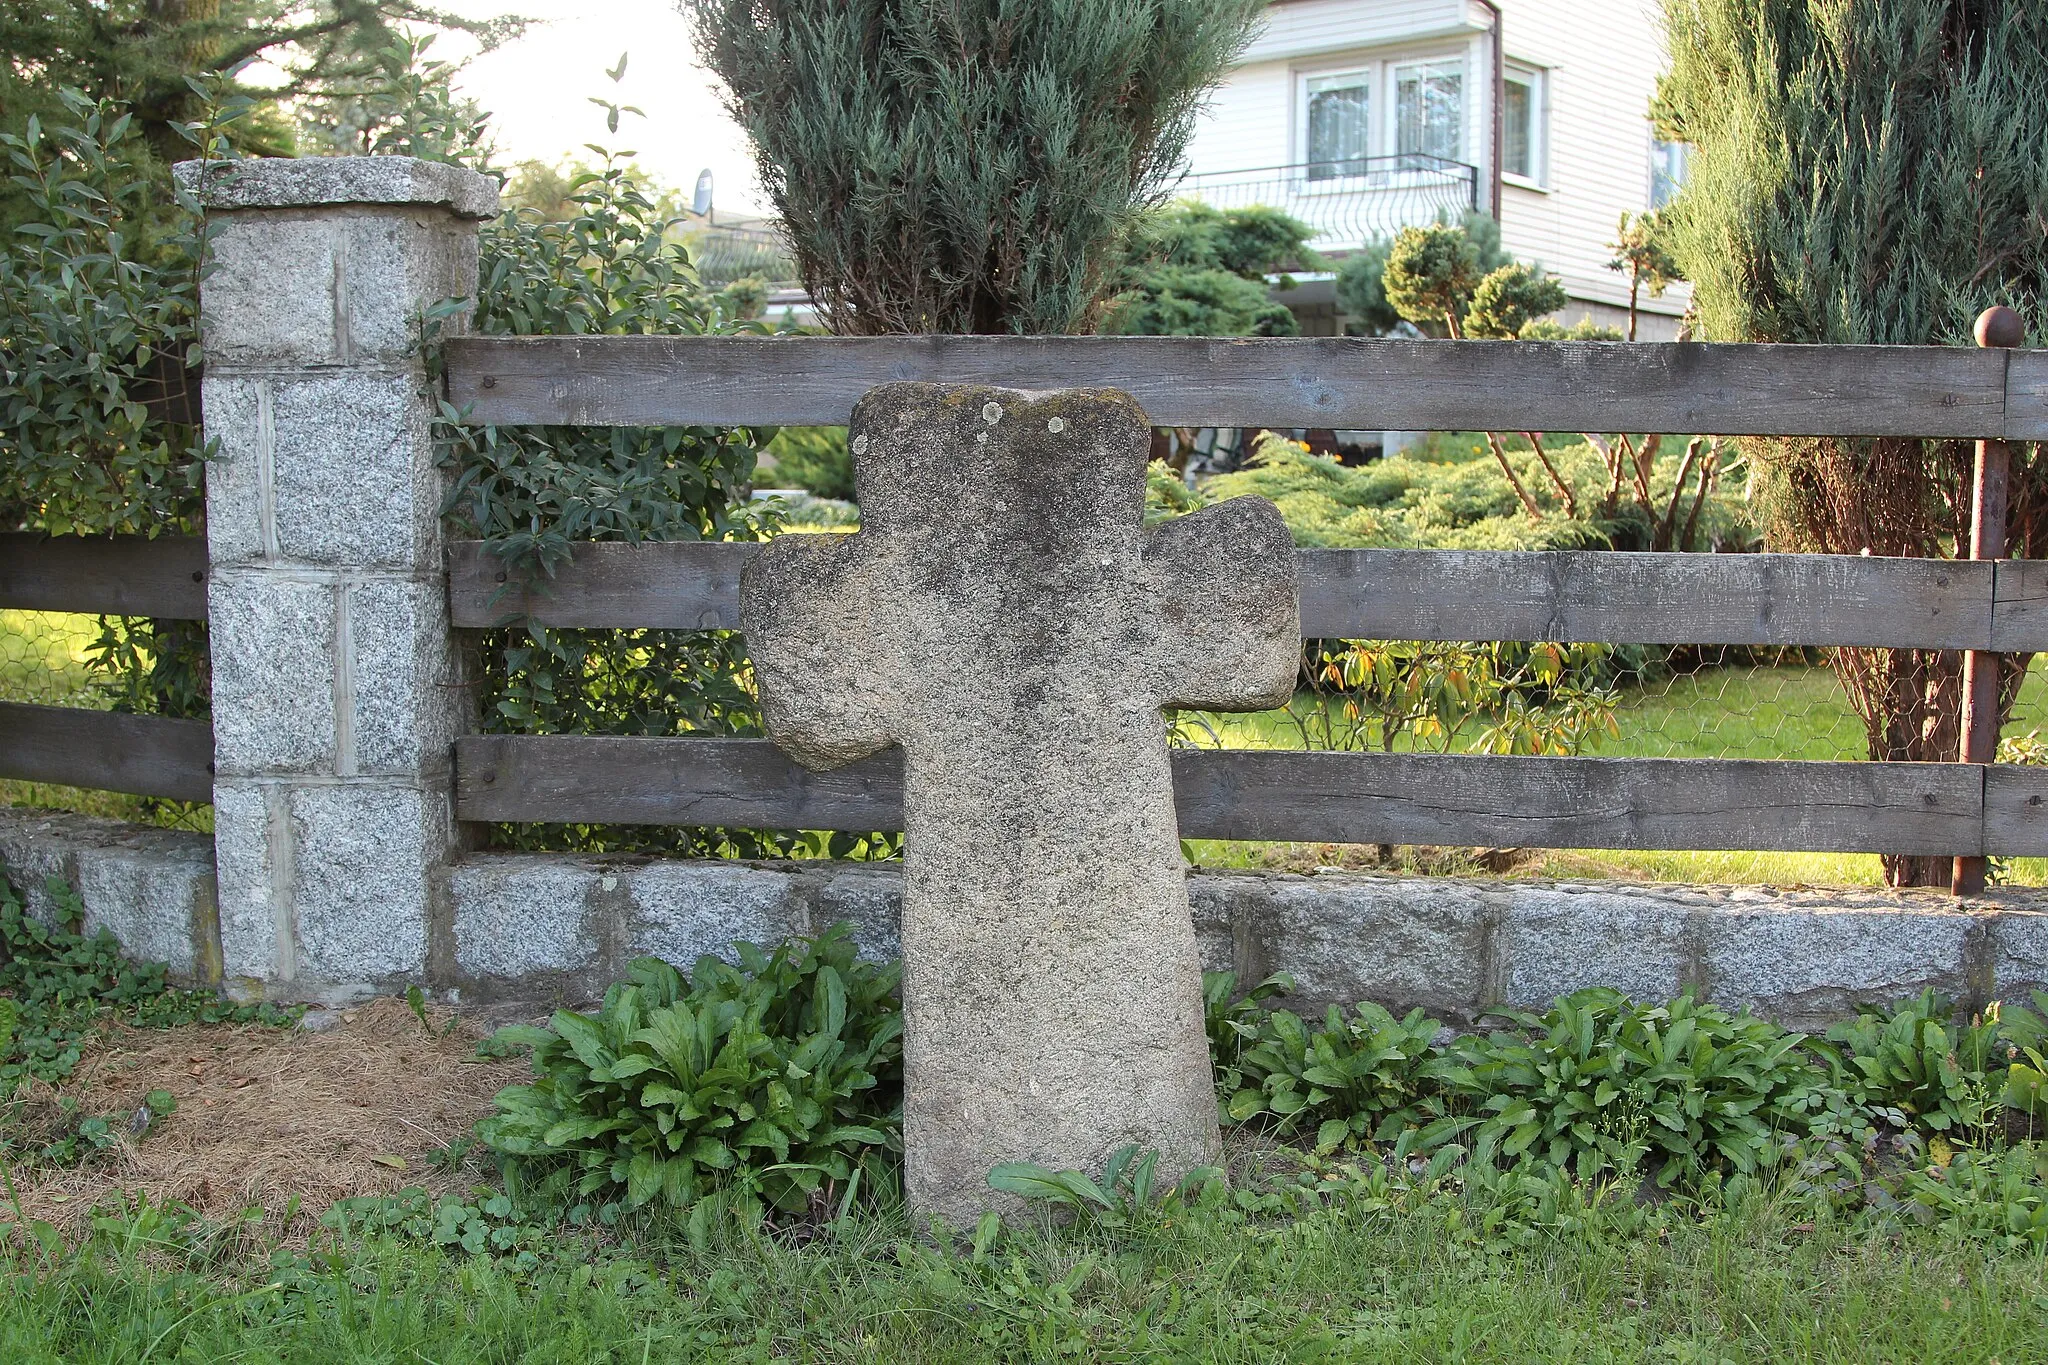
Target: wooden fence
x,y
1998,606
112,576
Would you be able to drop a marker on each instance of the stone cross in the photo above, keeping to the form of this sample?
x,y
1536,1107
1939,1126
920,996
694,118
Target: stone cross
x,y
1003,616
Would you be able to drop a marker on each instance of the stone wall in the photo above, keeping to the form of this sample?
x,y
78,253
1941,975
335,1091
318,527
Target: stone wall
x,y
552,929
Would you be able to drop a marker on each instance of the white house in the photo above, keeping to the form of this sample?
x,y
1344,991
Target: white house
x,y
1365,116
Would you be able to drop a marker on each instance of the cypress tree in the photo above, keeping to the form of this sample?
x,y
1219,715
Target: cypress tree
x,y
1869,171
965,165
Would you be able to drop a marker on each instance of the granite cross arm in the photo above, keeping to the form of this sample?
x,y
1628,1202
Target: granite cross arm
x,y
1005,617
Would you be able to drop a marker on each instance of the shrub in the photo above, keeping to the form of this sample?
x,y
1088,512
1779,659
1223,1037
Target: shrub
x,y
779,1080
1410,501
814,459
970,167
99,431
531,492
1181,301
1193,270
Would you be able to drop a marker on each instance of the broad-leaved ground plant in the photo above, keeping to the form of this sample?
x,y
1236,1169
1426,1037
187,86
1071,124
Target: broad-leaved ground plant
x,y
779,1080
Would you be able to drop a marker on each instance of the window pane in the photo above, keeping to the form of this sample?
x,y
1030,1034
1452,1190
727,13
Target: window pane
x,y
1430,112
1667,171
1518,129
1337,108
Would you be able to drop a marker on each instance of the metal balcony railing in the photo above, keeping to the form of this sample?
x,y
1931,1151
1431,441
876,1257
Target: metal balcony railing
x,y
726,254
1348,203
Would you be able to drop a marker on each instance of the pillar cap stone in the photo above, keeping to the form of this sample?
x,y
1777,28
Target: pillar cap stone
x,y
313,181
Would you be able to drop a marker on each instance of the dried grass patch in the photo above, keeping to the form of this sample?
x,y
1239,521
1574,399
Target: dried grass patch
x,y
266,1116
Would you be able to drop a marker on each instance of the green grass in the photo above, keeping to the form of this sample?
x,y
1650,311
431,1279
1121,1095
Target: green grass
x,y
1347,1284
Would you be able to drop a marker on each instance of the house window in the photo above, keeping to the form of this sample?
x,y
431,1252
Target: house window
x,y
1338,107
1522,117
1667,170
1429,111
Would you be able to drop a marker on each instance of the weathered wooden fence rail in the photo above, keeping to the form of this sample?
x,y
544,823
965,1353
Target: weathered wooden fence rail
x,y
104,575
1341,382
113,576
1563,595
1363,798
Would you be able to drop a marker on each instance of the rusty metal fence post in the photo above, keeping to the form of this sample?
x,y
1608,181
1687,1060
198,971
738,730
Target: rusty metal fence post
x,y
1998,326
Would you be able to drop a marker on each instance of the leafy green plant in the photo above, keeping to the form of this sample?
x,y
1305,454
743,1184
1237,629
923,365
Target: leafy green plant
x,y
1912,1060
1360,1077
2001,1196
1234,1022
1599,1082
779,1080
1128,1191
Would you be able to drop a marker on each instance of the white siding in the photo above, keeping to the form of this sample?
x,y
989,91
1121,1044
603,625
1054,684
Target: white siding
x,y
1249,121
1297,28
1602,59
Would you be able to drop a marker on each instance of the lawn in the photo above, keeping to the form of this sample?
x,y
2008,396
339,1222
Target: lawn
x,y
1353,1282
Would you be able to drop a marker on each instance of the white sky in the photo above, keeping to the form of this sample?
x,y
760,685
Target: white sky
x,y
537,90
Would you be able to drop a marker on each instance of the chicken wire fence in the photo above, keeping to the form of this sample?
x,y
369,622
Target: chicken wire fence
x,y
1635,701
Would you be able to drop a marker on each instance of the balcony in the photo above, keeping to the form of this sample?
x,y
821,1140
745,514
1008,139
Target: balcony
x,y
724,254
1348,203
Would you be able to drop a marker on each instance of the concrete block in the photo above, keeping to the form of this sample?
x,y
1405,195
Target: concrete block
x,y
151,888
405,707
2021,952
1810,962
362,858
297,288
524,916
681,911
154,892
34,847
1399,943
1216,903
310,182
330,468
273,673
252,855
1557,941
870,898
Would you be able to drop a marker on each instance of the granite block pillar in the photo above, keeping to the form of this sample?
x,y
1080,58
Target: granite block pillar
x,y
336,694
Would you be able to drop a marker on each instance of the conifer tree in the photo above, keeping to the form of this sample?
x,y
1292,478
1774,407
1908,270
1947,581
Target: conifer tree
x,y
1869,171
966,165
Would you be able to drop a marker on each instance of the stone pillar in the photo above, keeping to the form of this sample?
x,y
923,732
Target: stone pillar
x,y
335,687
